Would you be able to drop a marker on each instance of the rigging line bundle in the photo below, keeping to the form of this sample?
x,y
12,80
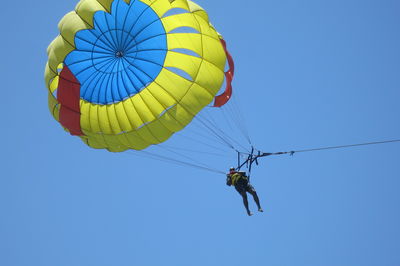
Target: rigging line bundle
x,y
253,157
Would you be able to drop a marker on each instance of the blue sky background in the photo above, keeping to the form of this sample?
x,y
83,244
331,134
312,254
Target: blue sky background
x,y
308,74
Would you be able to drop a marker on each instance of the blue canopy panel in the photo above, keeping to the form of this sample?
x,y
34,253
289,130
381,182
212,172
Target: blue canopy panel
x,y
121,55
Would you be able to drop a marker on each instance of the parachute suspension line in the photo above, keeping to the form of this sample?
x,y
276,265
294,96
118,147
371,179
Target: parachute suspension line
x,y
233,143
181,134
211,139
174,161
194,151
235,148
237,117
194,162
168,154
232,122
235,114
186,159
202,128
227,118
216,131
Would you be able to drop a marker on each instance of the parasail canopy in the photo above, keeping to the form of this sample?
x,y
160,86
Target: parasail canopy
x,y
128,74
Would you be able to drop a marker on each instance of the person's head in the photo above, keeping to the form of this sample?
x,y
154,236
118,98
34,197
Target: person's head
x,y
232,169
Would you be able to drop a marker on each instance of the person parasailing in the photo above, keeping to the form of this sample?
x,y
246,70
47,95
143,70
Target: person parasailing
x,y
242,185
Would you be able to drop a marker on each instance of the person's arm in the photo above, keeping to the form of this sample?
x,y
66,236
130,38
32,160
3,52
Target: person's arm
x,y
228,180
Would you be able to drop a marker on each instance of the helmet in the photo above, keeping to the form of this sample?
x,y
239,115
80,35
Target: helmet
x,y
232,168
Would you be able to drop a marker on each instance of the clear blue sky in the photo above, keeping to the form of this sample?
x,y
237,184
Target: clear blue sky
x,y
308,74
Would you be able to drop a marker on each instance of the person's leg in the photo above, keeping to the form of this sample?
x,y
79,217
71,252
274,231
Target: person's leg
x,y
253,192
242,191
246,202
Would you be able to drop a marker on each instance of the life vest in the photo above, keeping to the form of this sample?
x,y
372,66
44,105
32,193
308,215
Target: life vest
x,y
236,176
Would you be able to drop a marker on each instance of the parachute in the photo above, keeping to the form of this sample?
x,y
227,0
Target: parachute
x,y
128,74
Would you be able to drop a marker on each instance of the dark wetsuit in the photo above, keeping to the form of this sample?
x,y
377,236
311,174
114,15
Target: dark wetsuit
x,y
242,185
